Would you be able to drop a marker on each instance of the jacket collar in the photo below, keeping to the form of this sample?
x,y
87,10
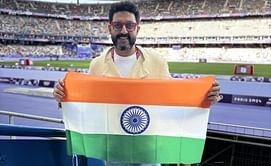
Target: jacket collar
x,y
139,70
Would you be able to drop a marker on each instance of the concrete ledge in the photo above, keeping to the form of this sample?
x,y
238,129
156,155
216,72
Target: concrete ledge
x,y
43,92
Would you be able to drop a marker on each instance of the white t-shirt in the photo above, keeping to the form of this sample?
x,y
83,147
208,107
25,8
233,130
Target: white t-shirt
x,y
125,64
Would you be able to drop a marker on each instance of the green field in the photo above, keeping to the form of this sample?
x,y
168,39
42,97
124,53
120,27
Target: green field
x,y
174,67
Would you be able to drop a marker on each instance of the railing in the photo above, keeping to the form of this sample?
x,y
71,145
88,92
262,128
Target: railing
x,y
58,149
239,126
30,131
5,130
57,138
11,116
241,129
212,126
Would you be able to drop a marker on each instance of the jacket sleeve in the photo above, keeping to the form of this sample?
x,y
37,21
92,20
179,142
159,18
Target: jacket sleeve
x,y
92,66
164,70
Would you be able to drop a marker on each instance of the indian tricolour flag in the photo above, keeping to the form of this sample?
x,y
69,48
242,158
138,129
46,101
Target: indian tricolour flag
x,y
136,121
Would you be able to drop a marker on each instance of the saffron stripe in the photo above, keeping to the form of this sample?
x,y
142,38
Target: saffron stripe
x,y
95,89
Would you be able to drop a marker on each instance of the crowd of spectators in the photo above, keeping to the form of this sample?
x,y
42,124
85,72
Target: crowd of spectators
x,y
159,31
184,28
201,28
176,54
148,7
153,32
217,55
32,51
63,51
38,25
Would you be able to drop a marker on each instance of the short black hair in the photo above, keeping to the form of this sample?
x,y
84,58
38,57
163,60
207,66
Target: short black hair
x,y
122,7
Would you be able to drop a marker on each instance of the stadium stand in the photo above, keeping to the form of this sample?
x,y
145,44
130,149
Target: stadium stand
x,y
201,28
186,54
148,8
49,27
220,31
218,55
34,25
186,31
249,30
31,51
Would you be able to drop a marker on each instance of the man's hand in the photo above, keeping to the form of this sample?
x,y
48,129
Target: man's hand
x,y
59,91
214,93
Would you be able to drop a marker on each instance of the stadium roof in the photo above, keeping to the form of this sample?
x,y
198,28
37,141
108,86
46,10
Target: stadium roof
x,y
79,1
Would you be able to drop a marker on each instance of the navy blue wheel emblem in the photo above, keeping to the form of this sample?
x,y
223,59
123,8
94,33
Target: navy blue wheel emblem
x,y
134,120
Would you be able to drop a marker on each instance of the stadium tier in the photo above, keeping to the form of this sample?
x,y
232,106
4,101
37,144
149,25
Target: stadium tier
x,y
40,42
250,29
184,54
148,8
163,22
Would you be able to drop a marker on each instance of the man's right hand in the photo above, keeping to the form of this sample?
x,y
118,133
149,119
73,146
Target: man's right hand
x,y
59,91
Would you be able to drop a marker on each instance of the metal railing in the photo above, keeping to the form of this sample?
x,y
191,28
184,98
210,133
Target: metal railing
x,y
241,129
211,125
11,116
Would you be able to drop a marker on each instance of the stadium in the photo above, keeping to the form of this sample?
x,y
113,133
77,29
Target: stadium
x,y
42,40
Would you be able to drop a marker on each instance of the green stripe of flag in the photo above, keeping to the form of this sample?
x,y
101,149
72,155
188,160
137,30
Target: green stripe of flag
x,y
161,149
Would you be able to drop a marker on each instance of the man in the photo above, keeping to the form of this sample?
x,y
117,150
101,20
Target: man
x,y
126,59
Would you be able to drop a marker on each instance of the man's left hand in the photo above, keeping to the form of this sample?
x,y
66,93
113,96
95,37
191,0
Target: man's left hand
x,y
214,93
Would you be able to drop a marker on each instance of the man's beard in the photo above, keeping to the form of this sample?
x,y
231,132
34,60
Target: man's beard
x,y
122,46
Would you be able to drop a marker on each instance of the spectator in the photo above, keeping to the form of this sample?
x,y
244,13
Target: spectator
x,y
126,59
